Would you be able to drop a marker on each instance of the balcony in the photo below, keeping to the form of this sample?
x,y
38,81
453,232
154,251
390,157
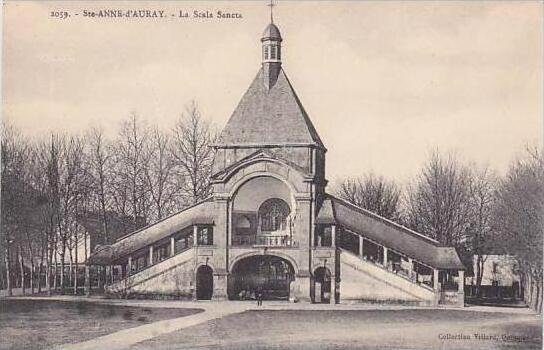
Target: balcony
x,y
264,240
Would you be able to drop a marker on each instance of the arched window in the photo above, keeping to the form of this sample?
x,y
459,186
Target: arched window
x,y
243,222
273,52
266,52
273,215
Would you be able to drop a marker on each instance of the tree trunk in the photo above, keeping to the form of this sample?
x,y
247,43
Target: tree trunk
x,y
55,269
71,270
8,270
62,268
77,263
22,269
40,270
479,275
538,299
48,262
87,280
31,277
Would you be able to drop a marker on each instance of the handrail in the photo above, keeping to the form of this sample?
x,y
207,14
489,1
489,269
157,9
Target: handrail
x,y
135,283
382,267
133,273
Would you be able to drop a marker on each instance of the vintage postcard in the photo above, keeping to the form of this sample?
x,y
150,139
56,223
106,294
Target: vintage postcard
x,y
272,175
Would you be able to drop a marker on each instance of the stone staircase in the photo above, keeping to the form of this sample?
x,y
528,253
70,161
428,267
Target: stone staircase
x,y
364,281
172,276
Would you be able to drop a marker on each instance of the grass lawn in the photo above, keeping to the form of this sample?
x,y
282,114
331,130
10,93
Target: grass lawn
x,y
363,329
41,324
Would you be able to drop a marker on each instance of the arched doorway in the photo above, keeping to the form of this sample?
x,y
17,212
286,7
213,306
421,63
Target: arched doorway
x,y
267,274
204,283
322,285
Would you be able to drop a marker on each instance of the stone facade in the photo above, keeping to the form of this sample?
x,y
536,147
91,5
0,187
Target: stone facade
x,y
270,228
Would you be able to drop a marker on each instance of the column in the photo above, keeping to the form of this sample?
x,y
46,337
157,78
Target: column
x,y
435,279
150,255
195,235
172,246
333,235
361,239
435,287
300,288
411,270
129,266
461,282
220,286
230,230
385,257
335,289
461,289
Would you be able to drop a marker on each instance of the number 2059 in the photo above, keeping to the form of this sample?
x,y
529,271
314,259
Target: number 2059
x,y
59,14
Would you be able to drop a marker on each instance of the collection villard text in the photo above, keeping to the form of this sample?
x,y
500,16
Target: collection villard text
x,y
116,13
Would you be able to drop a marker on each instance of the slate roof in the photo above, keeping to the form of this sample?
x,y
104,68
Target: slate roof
x,y
271,32
269,117
388,233
201,213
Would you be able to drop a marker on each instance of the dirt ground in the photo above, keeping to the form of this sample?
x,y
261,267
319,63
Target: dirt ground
x,y
360,329
41,324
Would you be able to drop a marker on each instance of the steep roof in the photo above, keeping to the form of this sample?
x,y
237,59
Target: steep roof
x,y
269,117
388,233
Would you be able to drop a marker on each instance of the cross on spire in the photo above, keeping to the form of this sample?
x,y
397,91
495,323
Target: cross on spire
x,y
271,5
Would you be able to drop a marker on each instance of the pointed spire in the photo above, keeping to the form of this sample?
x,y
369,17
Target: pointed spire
x,y
271,43
271,5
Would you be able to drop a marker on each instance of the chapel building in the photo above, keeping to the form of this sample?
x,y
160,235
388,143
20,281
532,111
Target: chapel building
x,y
271,228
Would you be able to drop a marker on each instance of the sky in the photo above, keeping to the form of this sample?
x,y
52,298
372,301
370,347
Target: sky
x,y
383,82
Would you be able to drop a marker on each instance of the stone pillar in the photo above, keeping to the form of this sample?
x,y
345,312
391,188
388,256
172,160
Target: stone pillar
x,y
129,266
150,255
172,246
461,289
230,230
385,257
335,280
300,288
411,270
219,286
195,235
436,287
361,239
333,236
461,283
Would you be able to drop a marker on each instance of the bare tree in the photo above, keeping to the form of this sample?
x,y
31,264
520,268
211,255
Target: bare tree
x,y
479,234
13,201
518,218
160,175
192,138
130,192
373,193
100,162
438,200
